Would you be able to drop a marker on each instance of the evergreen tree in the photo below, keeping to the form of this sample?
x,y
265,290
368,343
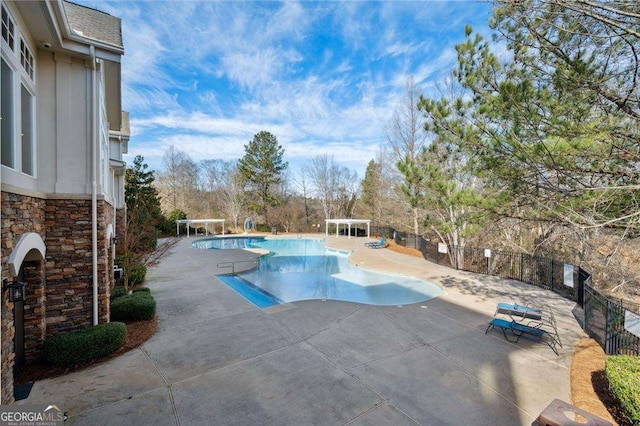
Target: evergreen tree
x,y
558,121
412,187
371,190
144,217
143,208
262,169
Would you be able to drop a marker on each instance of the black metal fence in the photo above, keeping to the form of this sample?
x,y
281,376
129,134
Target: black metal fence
x,y
604,317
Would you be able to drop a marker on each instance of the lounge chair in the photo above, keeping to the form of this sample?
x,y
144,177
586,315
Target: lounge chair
x,y
377,244
517,330
523,311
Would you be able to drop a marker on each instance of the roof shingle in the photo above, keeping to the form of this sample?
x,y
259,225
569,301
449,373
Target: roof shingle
x,y
94,24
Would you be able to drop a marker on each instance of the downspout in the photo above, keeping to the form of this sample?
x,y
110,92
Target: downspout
x,y
94,184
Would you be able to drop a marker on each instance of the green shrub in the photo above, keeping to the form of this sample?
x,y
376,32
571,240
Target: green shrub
x,y
262,227
77,347
623,373
137,273
142,289
138,306
118,291
167,226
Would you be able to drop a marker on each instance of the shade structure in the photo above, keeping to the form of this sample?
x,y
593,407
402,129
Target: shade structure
x,y
346,223
206,223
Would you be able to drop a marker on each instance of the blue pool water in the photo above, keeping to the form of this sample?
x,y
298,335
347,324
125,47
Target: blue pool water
x,y
303,269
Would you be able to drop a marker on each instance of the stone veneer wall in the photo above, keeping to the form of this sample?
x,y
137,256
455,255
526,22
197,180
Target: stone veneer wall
x,y
20,214
121,226
69,287
60,290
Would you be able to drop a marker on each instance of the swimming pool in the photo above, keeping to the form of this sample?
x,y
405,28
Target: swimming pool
x,y
303,269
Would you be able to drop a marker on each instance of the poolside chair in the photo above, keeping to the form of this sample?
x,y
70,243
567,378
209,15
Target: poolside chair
x,y
377,244
517,330
537,316
523,311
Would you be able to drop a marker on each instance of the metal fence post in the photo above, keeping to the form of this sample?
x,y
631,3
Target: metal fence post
x,y
607,337
521,266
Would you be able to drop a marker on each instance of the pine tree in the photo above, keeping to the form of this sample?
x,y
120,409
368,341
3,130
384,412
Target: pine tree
x,y
262,169
558,120
143,206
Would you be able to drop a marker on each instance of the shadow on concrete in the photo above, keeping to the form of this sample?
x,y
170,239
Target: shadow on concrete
x,y
217,359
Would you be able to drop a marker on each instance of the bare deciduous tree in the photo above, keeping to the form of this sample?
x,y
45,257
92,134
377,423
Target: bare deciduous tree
x,y
178,181
406,139
335,186
225,186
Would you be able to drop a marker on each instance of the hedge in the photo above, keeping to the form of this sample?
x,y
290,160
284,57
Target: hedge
x,y
623,373
77,347
138,306
137,273
142,289
118,291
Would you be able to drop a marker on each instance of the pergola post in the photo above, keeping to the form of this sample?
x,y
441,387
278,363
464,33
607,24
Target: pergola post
x,y
346,223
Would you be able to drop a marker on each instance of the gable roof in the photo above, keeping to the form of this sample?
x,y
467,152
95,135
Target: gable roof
x,y
94,24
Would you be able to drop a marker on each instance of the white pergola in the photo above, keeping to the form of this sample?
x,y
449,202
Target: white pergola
x,y
206,223
346,223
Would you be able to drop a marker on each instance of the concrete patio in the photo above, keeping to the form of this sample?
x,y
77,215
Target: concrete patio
x,y
216,359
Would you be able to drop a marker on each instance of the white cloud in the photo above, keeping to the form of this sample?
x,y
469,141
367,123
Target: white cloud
x,y
323,77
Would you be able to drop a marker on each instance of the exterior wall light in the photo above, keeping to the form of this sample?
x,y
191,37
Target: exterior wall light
x,y
17,290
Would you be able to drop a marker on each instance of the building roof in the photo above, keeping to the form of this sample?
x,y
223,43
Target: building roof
x,y
94,24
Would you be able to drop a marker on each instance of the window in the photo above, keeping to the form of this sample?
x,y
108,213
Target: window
x,y
26,59
8,28
27,131
8,116
18,95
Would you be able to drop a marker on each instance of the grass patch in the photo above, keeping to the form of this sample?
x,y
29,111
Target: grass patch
x,y
623,374
77,347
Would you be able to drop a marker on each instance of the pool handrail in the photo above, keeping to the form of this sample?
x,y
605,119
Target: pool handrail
x,y
232,264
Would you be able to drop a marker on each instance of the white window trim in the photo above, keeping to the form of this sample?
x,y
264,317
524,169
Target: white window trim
x,y
12,20
21,78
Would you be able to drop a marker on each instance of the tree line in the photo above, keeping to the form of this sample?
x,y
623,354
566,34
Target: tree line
x,y
531,143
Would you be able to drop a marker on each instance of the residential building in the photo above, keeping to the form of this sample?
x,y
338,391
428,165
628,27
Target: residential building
x,y
63,136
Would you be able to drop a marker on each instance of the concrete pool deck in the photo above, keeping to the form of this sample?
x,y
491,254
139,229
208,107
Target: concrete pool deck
x,y
216,359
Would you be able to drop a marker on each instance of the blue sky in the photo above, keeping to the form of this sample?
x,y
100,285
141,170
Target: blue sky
x,y
323,77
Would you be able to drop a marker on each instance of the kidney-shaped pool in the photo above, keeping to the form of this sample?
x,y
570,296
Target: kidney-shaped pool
x,y
303,269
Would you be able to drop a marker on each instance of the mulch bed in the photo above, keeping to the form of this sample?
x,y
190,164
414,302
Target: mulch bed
x,y
589,385
137,333
404,250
